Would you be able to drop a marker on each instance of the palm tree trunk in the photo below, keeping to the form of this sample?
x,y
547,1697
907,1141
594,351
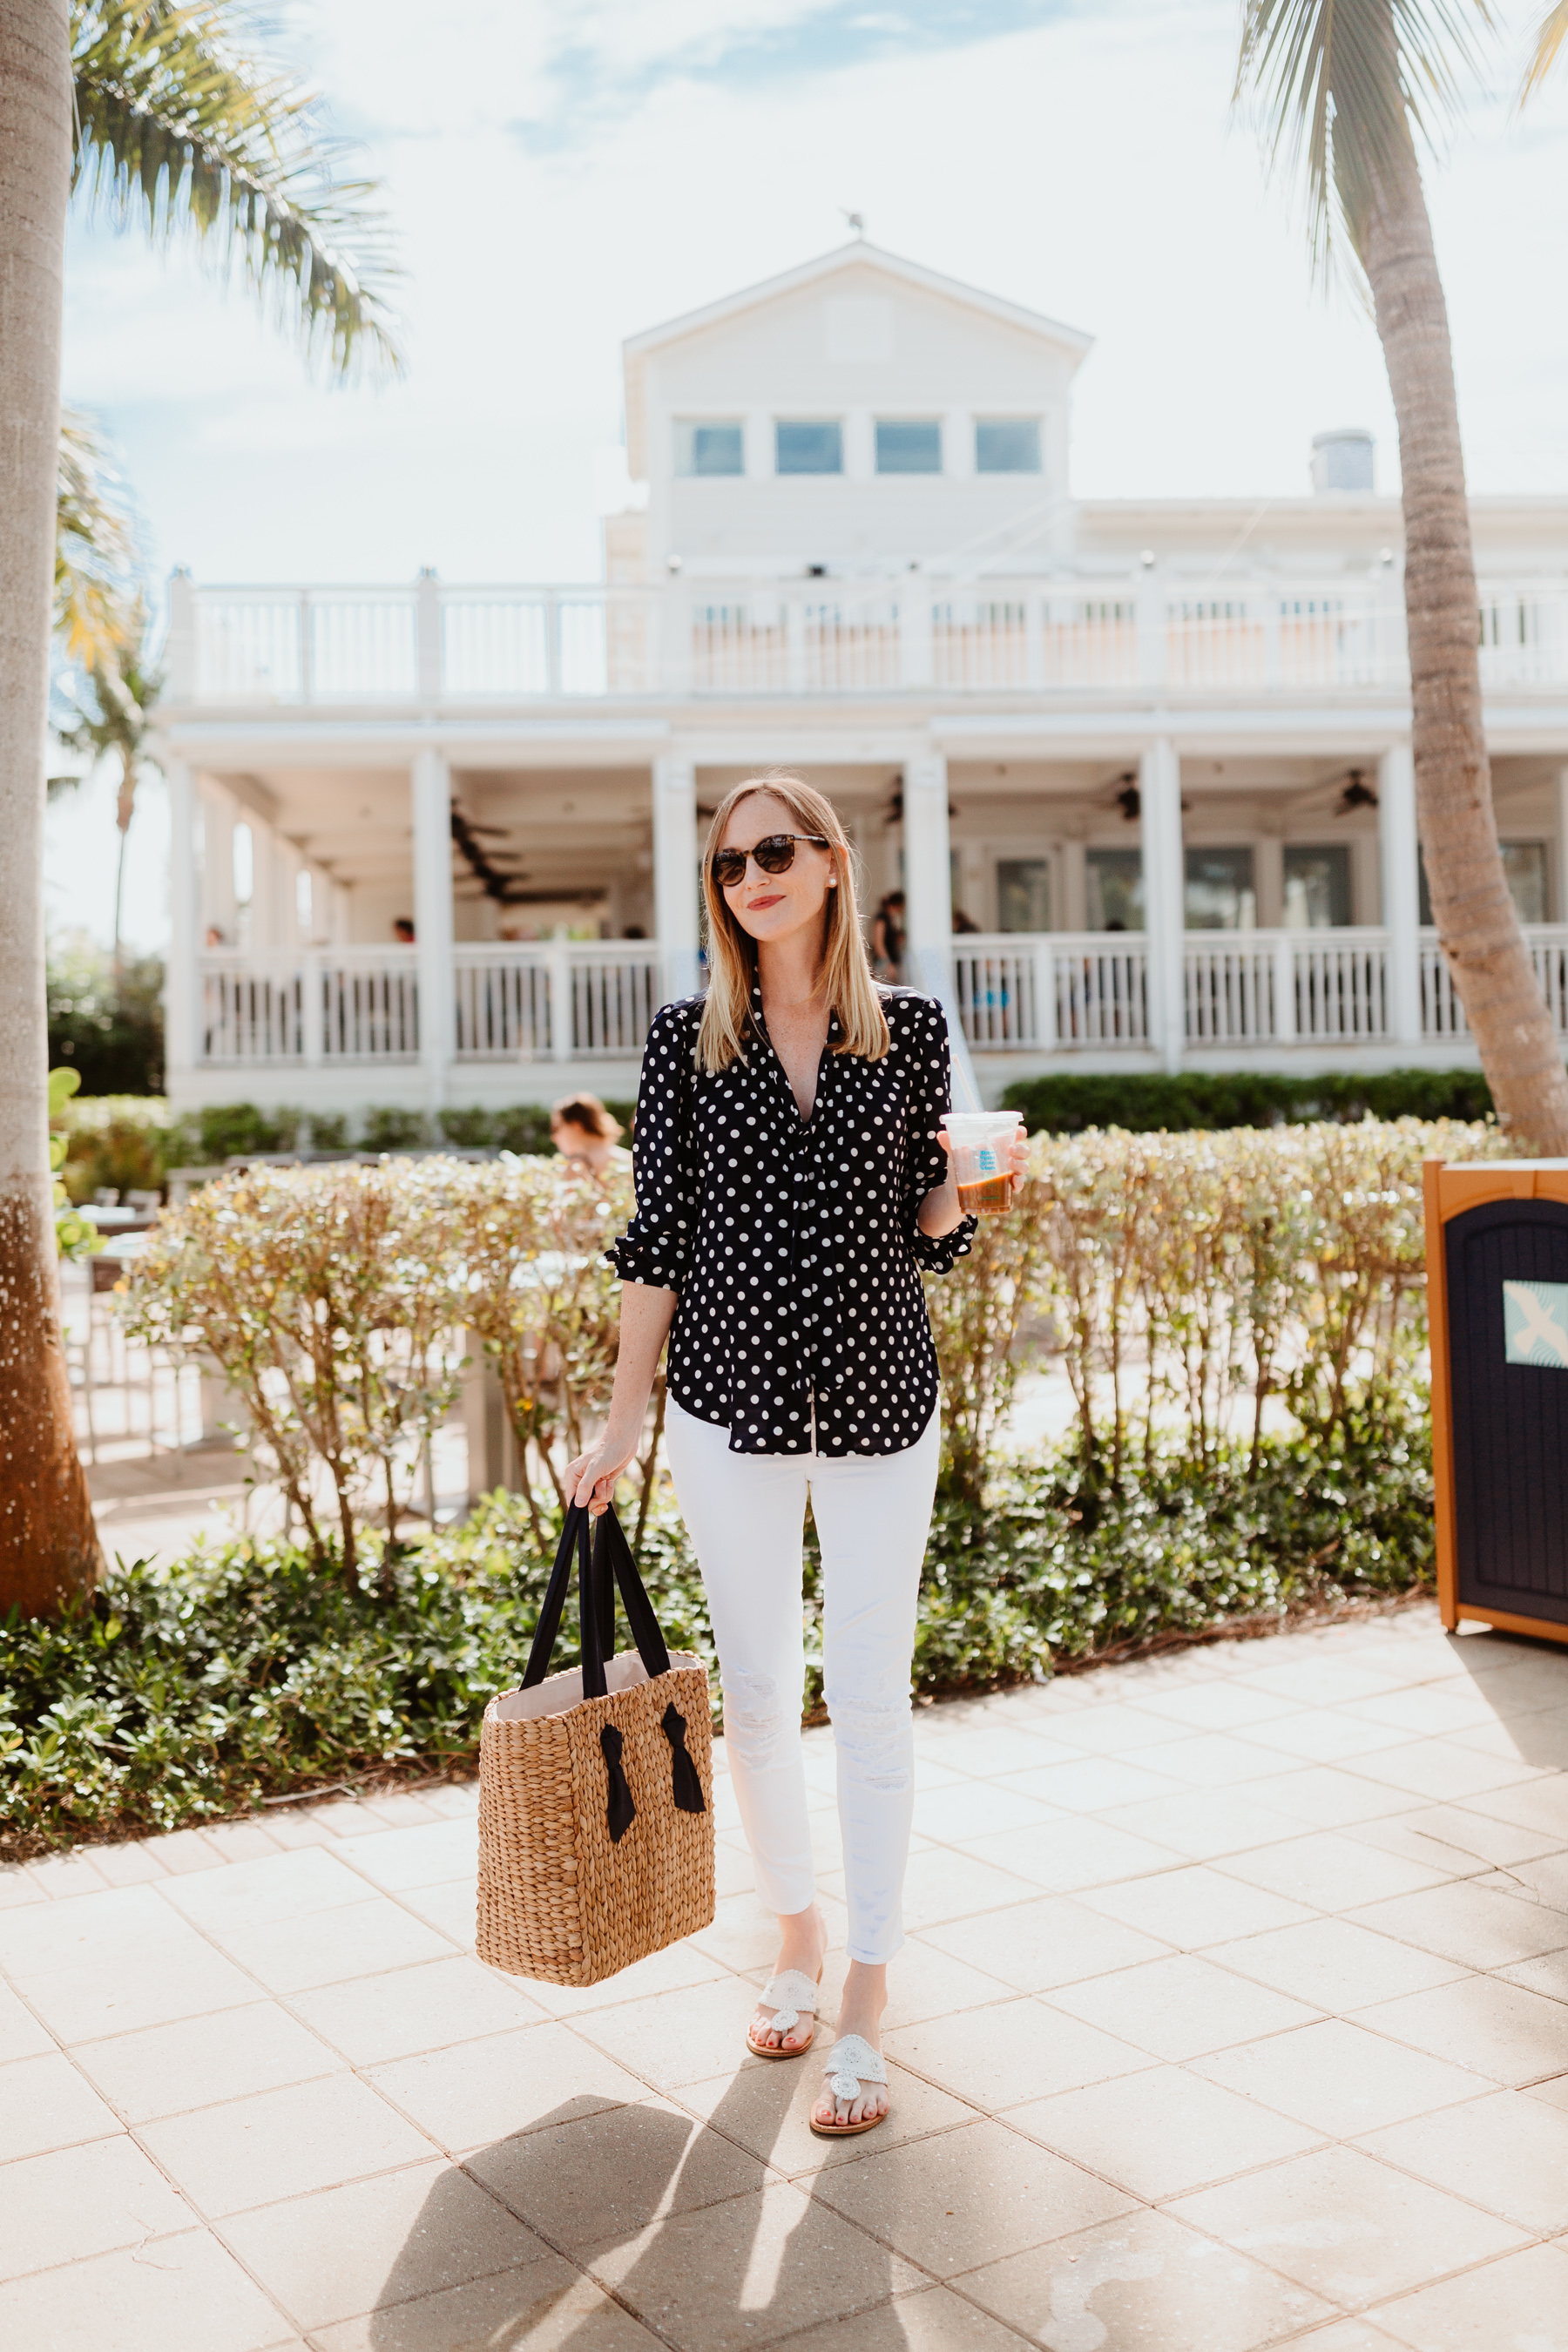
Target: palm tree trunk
x,y
49,1550
1477,925
125,809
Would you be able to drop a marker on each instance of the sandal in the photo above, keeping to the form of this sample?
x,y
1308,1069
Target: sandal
x,y
851,2063
788,1993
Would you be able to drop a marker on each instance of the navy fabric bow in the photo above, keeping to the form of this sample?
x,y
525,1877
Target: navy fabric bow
x,y
619,1813
684,1781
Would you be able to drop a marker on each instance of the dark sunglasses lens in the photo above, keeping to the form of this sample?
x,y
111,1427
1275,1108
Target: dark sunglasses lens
x,y
776,855
729,867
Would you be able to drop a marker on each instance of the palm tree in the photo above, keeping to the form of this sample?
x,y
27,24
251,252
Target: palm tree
x,y
111,706
95,549
1347,89
180,132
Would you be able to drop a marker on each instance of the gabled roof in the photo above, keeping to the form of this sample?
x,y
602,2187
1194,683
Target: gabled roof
x,y
858,253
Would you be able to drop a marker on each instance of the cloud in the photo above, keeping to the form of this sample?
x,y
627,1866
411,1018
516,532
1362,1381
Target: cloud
x,y
610,58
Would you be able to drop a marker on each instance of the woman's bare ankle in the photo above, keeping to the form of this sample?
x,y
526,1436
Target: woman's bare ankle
x,y
803,1939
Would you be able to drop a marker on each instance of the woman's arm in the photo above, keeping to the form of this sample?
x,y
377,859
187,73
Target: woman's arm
x,y
646,1317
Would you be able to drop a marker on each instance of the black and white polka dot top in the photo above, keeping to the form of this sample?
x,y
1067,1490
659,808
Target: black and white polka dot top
x,y
794,1243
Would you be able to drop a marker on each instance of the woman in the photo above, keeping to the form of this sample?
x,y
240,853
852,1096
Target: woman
x,y
791,1182
581,1128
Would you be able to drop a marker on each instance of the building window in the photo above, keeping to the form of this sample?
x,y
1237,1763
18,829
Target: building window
x,y
809,447
1023,894
1318,888
1113,889
706,449
243,857
908,445
1221,894
1007,444
1525,865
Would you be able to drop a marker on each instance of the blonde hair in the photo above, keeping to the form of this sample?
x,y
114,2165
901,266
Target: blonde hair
x,y
733,952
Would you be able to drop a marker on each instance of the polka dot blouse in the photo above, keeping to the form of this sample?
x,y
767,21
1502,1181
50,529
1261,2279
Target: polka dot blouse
x,y
793,1244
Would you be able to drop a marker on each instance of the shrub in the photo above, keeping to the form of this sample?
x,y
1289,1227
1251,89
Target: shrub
x,y
176,1694
386,1127
107,1026
1067,1103
125,1141
220,1131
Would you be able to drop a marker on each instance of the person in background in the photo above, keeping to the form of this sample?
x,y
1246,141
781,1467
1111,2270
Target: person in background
x,y
963,923
402,930
214,936
888,938
581,1128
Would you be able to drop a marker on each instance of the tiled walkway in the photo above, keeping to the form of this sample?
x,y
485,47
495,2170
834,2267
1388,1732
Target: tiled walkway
x,y
1235,2012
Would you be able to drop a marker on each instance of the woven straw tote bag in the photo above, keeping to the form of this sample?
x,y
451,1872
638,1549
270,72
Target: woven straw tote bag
x,y
596,1786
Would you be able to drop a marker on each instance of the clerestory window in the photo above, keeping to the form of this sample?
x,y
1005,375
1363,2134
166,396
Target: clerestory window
x,y
808,447
907,445
1007,444
702,446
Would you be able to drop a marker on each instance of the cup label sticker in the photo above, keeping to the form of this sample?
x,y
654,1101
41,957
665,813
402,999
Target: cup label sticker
x,y
1535,1323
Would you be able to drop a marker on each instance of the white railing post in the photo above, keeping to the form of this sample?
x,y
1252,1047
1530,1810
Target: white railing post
x,y
313,1026
1045,994
184,985
428,634
1164,899
1401,891
1273,669
794,644
552,643
306,648
180,645
431,786
1284,988
1153,628
558,981
674,875
914,632
928,860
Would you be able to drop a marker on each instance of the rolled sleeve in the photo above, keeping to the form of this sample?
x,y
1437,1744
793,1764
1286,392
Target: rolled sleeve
x,y
925,1161
656,1247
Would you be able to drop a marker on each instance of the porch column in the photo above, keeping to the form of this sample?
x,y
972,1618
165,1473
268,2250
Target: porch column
x,y
1560,910
183,981
1401,891
675,876
928,862
1164,899
432,799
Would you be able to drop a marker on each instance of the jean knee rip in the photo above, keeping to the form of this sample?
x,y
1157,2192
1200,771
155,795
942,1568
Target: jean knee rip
x,y
874,1739
754,1715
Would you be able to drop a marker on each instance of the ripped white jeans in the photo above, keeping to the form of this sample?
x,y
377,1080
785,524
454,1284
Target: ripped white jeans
x,y
746,1513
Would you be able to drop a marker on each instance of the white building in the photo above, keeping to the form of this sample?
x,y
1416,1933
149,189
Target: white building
x,y
1156,751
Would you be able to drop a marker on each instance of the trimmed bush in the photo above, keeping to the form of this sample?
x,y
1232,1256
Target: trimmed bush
x,y
1067,1103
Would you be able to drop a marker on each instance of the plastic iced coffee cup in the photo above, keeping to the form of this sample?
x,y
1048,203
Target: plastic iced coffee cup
x,y
981,1144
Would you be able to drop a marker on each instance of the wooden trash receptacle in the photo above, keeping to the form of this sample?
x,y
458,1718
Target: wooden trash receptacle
x,y
1497,1294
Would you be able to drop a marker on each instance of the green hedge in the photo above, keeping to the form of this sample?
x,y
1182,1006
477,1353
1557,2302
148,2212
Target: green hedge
x,y
178,1694
1068,1103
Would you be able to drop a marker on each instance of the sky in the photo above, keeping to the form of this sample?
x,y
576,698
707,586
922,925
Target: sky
x,y
560,174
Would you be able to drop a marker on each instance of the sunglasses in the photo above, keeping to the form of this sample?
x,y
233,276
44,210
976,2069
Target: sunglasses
x,y
773,855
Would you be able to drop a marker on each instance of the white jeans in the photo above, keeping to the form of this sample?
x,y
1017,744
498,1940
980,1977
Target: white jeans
x,y
746,1513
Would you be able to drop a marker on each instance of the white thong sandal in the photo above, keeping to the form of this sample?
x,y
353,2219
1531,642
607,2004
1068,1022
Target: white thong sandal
x,y
851,2064
789,1995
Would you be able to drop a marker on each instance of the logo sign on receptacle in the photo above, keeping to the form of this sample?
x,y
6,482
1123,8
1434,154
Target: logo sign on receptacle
x,y
1535,1324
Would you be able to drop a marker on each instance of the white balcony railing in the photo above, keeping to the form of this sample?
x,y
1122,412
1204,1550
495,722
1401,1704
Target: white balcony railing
x,y
1048,991
558,1001
1015,992
431,643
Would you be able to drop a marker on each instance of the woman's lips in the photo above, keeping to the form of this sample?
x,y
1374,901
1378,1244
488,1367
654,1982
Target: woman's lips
x,y
758,904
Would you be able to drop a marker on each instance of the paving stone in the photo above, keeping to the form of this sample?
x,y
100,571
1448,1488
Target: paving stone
x,y
1507,2152
79,2201
200,2061
183,2293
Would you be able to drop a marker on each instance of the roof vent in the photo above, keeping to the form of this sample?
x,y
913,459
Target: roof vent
x,y
1342,461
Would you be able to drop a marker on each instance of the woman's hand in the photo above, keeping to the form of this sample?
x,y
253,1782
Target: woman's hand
x,y
940,1212
591,1479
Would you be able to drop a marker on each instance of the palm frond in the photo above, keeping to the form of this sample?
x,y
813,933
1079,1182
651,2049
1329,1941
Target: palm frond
x,y
1344,90
184,131
95,551
1549,35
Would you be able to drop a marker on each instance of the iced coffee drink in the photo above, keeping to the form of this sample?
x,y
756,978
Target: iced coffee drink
x,y
982,1159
